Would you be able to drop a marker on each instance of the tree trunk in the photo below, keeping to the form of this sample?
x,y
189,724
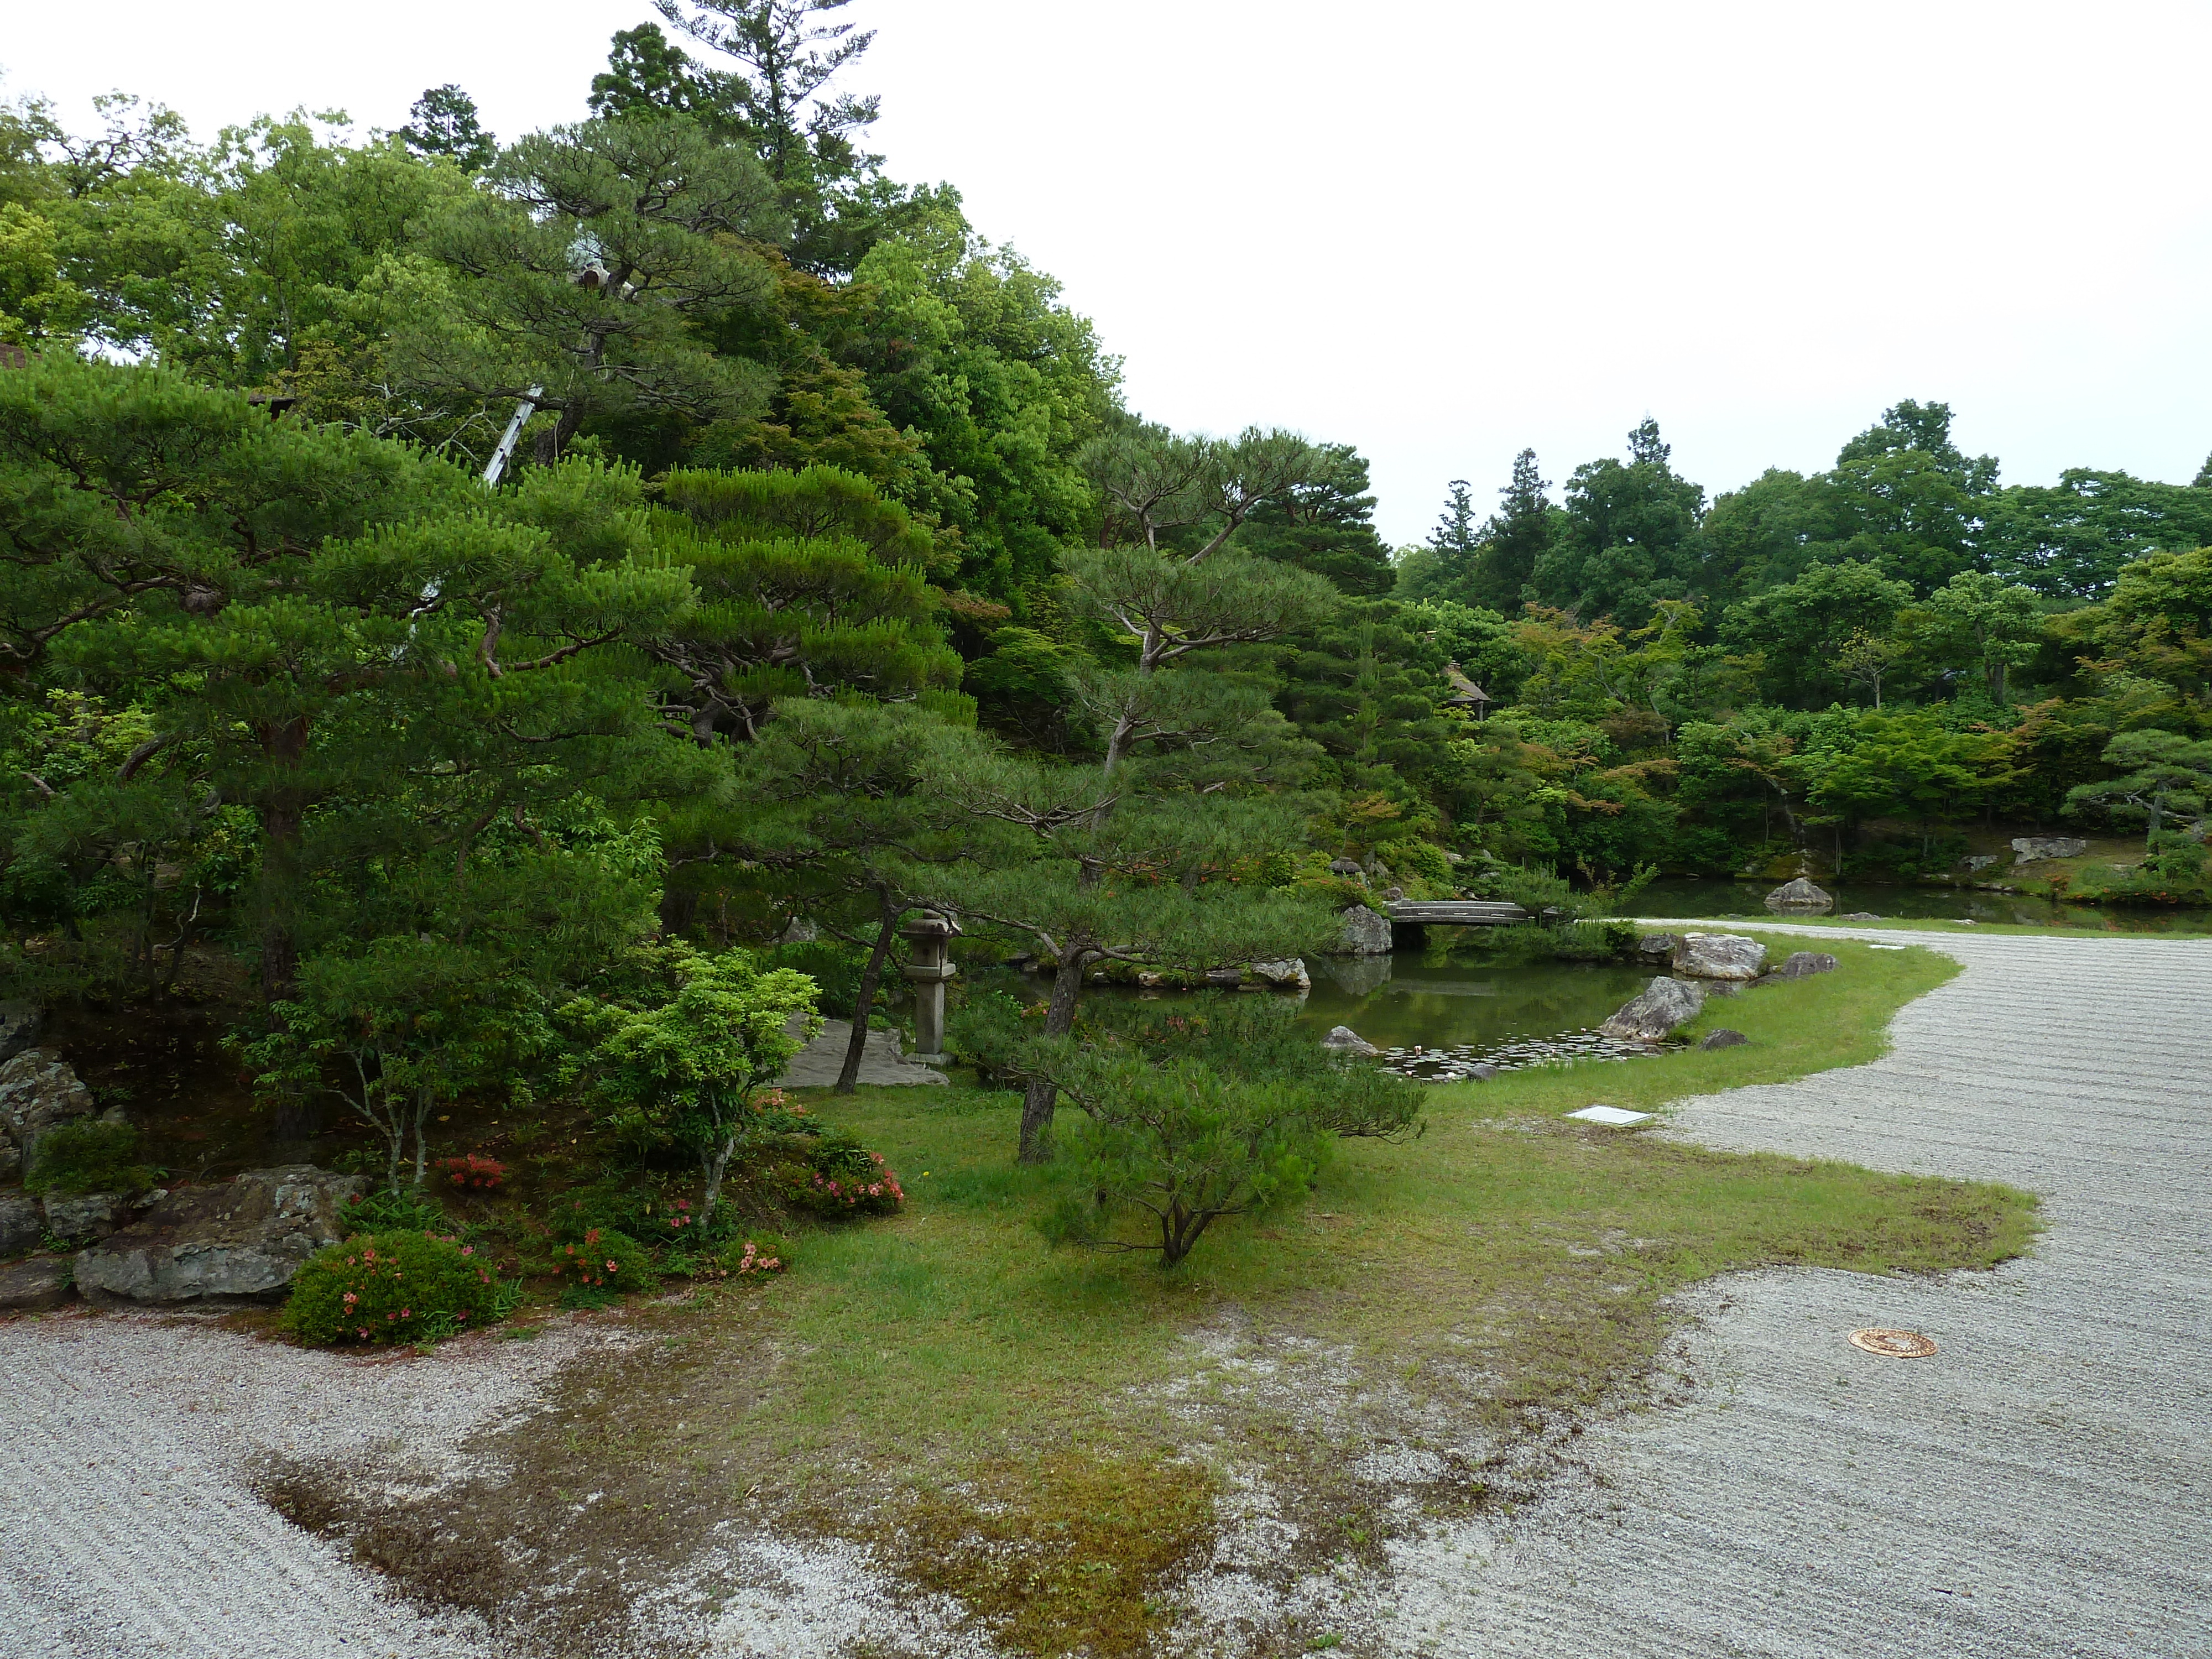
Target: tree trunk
x,y
423,1100
717,1166
1059,1018
864,999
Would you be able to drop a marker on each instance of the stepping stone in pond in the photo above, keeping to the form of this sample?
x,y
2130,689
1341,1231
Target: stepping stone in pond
x,y
1612,1117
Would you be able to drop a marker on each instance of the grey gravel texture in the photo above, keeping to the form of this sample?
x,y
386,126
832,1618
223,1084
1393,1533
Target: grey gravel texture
x,y
2043,1486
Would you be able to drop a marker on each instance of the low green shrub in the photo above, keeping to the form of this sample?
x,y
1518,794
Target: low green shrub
x,y
2174,870
603,1263
393,1287
396,1210
835,1175
88,1156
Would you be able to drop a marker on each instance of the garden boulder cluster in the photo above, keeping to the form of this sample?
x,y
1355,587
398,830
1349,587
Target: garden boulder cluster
x,y
247,1238
1703,964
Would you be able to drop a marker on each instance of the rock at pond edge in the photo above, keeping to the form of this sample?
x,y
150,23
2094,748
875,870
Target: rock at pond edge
x,y
1664,1004
1343,1040
1364,932
1803,964
1800,894
1719,955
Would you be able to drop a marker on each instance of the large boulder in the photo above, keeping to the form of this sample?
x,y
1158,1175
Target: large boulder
x,y
21,1023
1718,956
1659,946
1800,895
1665,1005
245,1238
1343,1040
1803,964
39,1092
2025,849
36,1285
1364,933
22,1224
1289,975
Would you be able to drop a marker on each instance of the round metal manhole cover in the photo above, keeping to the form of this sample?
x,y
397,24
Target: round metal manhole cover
x,y
1893,1344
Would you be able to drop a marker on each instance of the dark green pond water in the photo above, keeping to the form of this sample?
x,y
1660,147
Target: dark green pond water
x,y
1686,897
1457,1007
1462,1001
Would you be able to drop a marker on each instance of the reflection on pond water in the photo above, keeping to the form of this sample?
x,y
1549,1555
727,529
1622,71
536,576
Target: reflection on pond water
x,y
1690,897
1459,1007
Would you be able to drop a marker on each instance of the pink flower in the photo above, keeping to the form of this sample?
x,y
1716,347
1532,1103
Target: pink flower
x,y
611,1267
468,1250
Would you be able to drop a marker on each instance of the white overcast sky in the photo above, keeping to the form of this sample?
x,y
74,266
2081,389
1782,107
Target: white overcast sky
x,y
1443,232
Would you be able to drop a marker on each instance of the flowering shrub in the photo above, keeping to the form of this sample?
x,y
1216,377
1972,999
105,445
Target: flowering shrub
x,y
754,1259
605,1261
837,1176
474,1172
391,1287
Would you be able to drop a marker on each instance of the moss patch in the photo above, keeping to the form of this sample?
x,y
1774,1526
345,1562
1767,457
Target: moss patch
x,y
1075,1552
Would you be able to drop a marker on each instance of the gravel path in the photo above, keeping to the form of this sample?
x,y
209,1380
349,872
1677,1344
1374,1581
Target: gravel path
x,y
2042,1486
128,1525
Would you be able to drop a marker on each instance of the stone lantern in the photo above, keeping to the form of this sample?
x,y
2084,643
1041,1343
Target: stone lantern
x,y
931,934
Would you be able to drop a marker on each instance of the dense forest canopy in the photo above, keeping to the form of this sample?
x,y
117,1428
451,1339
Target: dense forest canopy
x,y
833,577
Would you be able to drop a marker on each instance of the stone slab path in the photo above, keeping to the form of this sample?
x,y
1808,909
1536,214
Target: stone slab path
x,y
882,1061
2042,1486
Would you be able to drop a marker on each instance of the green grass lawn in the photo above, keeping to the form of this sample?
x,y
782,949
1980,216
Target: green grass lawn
x,y
1042,1432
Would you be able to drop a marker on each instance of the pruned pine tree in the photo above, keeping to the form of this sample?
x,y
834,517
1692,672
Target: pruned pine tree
x,y
1153,883
582,272
837,796
807,584
373,660
1171,579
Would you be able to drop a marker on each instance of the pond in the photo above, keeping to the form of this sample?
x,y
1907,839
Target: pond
x,y
1698,897
1437,1014
1455,1008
